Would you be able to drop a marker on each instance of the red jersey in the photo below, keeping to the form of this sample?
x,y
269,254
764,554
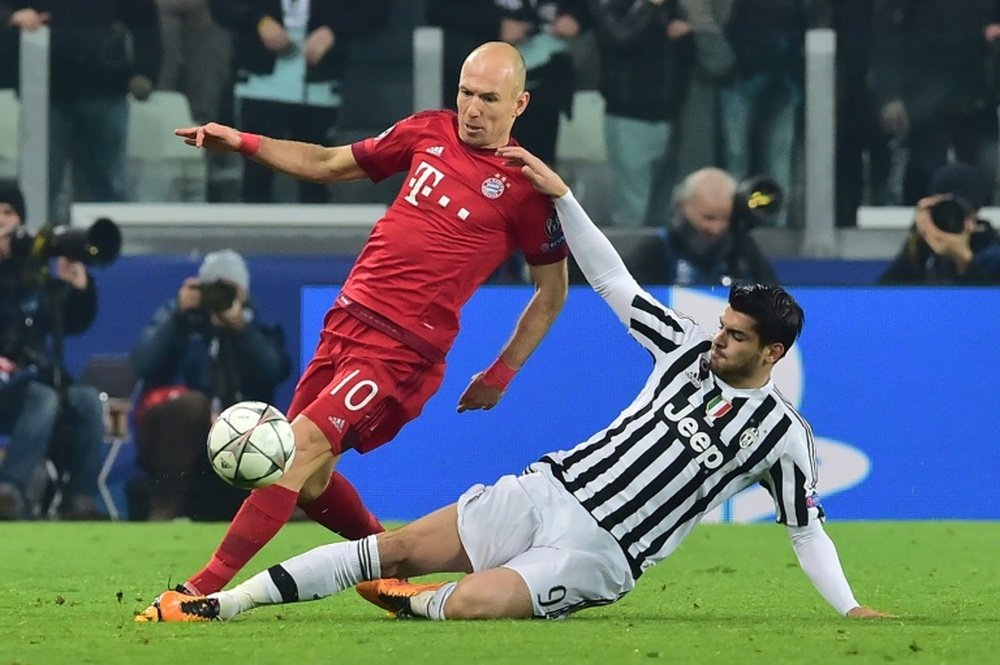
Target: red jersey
x,y
459,214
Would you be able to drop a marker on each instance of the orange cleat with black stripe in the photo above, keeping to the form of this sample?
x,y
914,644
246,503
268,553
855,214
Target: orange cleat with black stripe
x,y
174,606
393,595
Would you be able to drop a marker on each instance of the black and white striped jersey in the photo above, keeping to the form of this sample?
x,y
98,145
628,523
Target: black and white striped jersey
x,y
686,443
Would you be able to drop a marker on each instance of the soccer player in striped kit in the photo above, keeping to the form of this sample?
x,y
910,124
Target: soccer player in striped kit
x,y
578,528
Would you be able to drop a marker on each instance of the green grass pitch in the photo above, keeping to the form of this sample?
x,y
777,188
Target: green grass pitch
x,y
731,594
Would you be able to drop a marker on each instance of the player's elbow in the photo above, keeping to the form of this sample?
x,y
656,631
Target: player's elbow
x,y
553,291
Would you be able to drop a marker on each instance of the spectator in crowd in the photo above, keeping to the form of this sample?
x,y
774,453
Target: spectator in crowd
x,y
35,391
948,243
290,60
859,133
462,210
198,61
759,104
466,24
542,32
930,61
708,60
709,240
101,51
197,56
202,352
641,82
578,528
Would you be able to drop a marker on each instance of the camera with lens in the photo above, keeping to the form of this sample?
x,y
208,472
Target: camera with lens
x,y
949,214
98,245
217,296
757,201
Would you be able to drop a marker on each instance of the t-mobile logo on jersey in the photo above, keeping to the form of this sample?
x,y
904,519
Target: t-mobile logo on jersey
x,y
425,179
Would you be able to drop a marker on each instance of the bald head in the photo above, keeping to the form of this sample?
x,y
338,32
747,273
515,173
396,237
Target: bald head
x,y
706,200
708,183
499,58
491,95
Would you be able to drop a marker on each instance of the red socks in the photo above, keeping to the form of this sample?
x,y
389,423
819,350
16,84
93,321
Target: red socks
x,y
340,510
263,513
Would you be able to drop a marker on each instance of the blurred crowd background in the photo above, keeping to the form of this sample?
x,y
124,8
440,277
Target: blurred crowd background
x,y
686,84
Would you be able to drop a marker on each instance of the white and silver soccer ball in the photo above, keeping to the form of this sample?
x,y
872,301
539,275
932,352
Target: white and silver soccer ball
x,y
251,445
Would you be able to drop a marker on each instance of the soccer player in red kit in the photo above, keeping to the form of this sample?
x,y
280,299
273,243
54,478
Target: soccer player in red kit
x,y
460,213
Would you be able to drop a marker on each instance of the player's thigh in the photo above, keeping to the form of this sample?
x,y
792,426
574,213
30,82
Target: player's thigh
x,y
497,522
430,544
498,593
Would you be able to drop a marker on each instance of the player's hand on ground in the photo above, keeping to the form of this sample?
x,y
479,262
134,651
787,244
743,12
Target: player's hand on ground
x,y
212,136
868,613
535,170
478,395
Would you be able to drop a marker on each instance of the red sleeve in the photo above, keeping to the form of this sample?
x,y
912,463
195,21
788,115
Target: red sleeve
x,y
539,233
391,151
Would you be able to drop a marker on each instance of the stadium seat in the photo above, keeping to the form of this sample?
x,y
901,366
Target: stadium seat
x,y
581,154
10,112
114,376
161,168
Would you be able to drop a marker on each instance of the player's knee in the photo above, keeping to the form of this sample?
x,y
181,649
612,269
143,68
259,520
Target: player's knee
x,y
310,441
310,470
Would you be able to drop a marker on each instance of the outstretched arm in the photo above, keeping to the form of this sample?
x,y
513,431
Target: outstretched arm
x,y
594,253
818,558
306,161
486,388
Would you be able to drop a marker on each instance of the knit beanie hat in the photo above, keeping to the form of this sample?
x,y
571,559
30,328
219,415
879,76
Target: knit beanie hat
x,y
10,193
225,264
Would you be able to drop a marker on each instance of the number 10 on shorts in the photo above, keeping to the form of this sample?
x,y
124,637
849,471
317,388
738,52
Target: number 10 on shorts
x,y
360,392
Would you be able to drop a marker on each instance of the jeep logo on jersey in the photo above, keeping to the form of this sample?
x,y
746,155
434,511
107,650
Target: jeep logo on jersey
x,y
493,187
425,179
707,453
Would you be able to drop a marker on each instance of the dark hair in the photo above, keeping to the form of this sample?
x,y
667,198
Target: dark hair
x,y
778,317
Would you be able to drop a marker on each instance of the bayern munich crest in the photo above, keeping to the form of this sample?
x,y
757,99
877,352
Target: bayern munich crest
x,y
493,187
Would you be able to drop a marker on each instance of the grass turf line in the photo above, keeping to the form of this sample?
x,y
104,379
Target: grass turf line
x,y
730,594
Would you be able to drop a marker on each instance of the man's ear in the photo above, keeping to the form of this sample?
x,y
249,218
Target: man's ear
x,y
522,103
774,352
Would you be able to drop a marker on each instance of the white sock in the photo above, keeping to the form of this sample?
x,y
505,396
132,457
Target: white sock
x,y
430,604
320,572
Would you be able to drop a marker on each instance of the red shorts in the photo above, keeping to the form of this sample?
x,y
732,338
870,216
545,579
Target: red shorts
x,y
361,385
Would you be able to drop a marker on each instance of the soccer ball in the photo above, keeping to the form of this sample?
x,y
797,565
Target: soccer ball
x,y
251,445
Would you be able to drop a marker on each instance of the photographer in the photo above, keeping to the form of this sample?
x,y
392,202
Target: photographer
x,y
709,238
202,352
34,306
948,243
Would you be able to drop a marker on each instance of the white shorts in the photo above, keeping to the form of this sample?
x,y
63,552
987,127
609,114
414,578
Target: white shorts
x,y
533,526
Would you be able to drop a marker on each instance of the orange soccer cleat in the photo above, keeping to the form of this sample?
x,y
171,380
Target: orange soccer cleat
x,y
174,606
393,595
